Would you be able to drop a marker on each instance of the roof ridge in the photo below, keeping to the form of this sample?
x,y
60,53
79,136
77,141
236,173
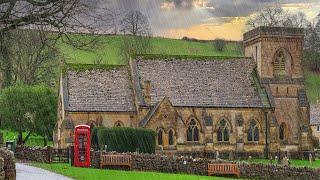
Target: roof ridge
x,y
185,57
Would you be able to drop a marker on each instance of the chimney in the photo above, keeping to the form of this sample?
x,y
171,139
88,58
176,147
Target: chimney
x,y
147,92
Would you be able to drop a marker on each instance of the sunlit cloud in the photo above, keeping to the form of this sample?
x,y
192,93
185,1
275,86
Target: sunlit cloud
x,y
205,19
230,30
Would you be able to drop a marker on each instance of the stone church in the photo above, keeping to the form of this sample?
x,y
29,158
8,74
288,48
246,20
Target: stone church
x,y
252,104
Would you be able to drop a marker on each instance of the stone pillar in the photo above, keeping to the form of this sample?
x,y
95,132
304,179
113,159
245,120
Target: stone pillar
x,y
239,131
147,92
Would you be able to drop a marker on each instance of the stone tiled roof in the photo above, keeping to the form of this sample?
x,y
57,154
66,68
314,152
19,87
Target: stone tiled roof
x,y
205,83
315,114
99,90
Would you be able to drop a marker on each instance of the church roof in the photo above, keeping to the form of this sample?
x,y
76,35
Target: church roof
x,y
205,82
314,114
98,89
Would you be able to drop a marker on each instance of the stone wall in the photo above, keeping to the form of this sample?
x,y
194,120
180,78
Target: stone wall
x,y
8,164
263,171
37,154
198,166
42,154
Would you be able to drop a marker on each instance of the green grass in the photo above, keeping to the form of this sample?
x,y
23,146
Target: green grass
x,y
89,173
294,162
34,140
108,49
312,83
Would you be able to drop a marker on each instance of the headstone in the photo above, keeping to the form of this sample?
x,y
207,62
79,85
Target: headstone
x,y
270,159
231,156
310,159
217,155
285,161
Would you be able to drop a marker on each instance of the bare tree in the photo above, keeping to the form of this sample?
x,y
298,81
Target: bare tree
x,y
312,46
32,54
135,23
277,17
137,35
59,18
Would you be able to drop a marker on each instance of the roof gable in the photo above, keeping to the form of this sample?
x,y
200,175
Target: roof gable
x,y
163,104
104,90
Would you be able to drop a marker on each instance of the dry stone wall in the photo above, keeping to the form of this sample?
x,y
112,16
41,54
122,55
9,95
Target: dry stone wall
x,y
198,166
37,154
7,164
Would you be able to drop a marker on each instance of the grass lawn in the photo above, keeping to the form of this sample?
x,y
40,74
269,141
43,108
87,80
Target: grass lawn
x,y
89,173
34,140
294,162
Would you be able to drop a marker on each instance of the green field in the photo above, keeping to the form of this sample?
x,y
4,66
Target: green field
x,y
107,50
34,140
92,174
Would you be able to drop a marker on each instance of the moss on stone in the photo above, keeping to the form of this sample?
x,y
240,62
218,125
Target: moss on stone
x,y
89,67
185,57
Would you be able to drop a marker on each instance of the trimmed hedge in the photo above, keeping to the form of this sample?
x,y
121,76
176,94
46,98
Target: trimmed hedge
x,y
124,139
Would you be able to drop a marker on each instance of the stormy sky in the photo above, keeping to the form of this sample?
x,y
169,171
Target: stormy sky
x,y
203,19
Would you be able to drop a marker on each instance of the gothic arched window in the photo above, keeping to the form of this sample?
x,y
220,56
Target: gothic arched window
x,y
171,136
279,66
193,131
253,131
223,131
282,131
118,124
160,137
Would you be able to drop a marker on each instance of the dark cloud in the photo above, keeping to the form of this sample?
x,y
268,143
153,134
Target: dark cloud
x,y
186,13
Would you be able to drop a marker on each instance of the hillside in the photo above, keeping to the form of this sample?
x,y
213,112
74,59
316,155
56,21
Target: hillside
x,y
108,51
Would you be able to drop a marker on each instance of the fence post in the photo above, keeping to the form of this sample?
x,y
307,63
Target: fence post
x,y
49,154
71,155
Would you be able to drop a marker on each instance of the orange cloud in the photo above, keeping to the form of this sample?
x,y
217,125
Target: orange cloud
x,y
232,30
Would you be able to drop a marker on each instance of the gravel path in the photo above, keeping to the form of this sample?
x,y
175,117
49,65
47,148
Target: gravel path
x,y
26,172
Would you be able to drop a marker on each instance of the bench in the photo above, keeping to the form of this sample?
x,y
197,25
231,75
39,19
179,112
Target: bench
x,y
223,169
115,160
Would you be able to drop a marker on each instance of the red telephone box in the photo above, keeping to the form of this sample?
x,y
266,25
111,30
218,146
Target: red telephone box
x,y
82,146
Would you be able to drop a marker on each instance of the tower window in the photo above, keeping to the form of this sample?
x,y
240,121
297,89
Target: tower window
x,y
279,67
282,131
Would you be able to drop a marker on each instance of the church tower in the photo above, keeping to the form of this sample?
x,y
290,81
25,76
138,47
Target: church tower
x,y
277,52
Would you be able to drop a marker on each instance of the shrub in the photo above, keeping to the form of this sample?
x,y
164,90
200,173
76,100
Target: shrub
x,y
124,139
219,44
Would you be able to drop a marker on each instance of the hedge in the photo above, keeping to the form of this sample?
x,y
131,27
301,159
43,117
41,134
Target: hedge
x,y
124,139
